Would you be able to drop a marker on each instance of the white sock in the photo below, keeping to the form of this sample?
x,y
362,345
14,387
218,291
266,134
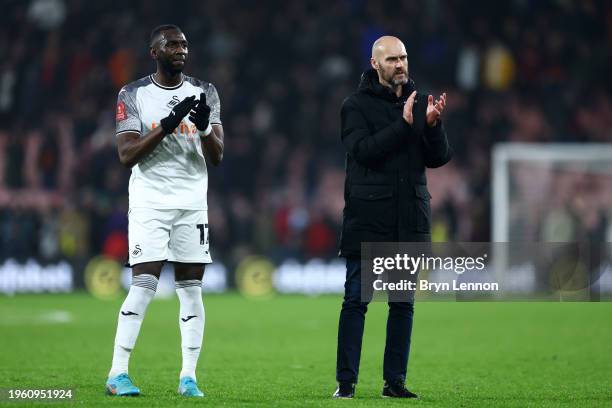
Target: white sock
x,y
192,328
130,319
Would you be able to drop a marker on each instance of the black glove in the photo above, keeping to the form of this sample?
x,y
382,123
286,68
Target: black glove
x,y
200,115
177,114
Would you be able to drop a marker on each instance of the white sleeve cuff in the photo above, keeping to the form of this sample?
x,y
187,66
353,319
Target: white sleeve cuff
x,y
205,132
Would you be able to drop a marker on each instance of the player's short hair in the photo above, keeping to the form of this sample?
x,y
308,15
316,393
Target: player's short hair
x,y
159,29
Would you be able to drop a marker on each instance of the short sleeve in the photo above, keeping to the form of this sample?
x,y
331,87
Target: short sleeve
x,y
126,116
212,98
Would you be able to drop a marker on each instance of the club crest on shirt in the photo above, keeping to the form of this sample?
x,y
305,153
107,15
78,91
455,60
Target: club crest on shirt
x,y
173,102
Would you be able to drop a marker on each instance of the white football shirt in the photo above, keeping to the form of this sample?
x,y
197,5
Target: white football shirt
x,y
174,175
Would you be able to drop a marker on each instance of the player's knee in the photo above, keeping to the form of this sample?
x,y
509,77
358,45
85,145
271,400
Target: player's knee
x,y
148,268
185,272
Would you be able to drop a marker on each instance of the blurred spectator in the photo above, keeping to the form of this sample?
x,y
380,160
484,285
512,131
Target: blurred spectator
x,y
514,71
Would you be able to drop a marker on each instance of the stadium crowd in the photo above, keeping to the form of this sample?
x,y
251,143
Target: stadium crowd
x,y
521,70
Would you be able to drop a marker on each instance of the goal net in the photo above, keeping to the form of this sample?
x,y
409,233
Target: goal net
x,y
552,193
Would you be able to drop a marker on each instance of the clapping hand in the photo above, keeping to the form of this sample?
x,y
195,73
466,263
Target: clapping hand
x,y
435,109
177,114
200,115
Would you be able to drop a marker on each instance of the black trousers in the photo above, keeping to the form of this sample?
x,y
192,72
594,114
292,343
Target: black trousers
x,y
350,331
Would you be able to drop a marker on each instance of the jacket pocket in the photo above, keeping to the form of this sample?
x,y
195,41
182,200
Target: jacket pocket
x,y
371,207
422,209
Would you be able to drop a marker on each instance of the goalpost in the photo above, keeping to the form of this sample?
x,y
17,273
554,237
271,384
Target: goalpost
x,y
550,192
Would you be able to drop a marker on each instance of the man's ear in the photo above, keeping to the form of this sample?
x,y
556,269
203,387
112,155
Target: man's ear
x,y
153,53
374,63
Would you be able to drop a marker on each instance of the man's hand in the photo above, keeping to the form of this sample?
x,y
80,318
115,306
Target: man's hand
x,y
177,114
407,114
212,142
434,110
200,115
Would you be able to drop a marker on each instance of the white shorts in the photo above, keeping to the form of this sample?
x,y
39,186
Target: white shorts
x,y
168,235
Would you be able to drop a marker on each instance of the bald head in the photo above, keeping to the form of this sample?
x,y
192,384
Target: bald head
x,y
387,44
390,60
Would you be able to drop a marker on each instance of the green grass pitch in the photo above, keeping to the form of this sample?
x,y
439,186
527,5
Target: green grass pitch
x,y
281,352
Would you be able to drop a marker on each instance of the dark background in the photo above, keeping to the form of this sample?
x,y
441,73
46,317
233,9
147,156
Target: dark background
x,y
531,71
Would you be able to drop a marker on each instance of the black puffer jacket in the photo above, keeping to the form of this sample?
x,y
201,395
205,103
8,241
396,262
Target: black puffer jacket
x,y
385,192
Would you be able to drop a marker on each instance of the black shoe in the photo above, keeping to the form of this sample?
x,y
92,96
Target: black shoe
x,y
397,389
345,390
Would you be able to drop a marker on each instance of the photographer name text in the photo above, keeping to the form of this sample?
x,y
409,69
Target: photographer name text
x,y
425,285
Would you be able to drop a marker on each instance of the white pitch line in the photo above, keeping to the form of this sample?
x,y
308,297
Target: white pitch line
x,y
47,317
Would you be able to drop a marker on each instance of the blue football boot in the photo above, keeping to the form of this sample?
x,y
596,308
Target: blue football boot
x,y
189,388
121,386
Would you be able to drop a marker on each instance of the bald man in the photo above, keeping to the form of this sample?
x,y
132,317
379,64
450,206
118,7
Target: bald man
x,y
391,135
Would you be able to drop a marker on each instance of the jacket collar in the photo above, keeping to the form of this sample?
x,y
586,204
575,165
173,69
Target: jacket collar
x,y
369,84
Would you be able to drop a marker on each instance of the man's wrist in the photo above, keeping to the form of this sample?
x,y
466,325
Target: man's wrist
x,y
167,126
206,132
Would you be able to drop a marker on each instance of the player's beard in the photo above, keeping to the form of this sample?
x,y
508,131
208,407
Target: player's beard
x,y
170,68
397,81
